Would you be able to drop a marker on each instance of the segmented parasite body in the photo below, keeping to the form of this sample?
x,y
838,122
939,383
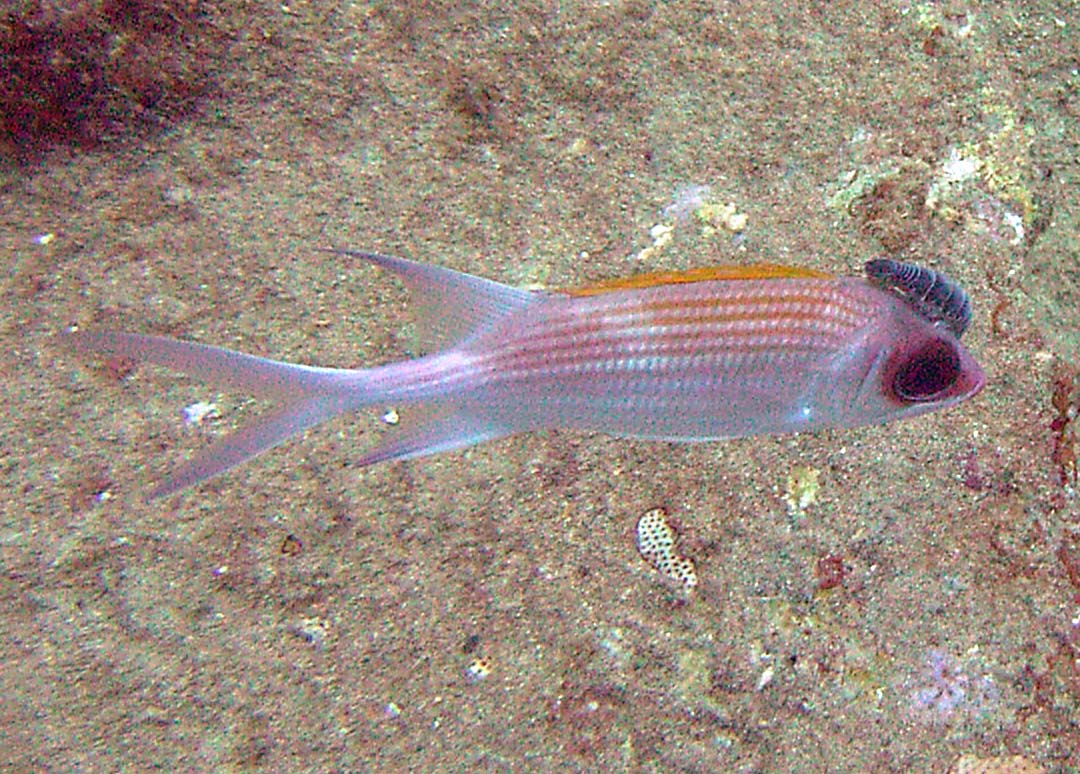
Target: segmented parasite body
x,y
934,295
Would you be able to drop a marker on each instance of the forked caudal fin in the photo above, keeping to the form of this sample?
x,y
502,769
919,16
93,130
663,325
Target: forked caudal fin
x,y
456,304
310,395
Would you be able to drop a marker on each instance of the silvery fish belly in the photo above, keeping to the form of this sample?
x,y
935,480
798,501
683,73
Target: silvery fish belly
x,y
690,356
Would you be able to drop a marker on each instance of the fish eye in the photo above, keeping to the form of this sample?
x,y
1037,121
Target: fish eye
x,y
927,373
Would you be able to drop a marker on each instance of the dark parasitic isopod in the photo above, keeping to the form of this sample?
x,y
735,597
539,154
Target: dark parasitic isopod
x,y
933,295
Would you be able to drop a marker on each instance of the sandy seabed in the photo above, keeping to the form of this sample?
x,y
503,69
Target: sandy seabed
x,y
488,609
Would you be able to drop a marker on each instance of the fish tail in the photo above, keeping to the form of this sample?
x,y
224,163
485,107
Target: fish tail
x,y
309,395
452,307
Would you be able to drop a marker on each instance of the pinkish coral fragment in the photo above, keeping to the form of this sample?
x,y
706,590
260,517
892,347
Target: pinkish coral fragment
x,y
686,201
948,693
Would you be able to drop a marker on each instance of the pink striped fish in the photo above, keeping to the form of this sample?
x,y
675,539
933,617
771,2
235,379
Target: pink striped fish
x,y
693,356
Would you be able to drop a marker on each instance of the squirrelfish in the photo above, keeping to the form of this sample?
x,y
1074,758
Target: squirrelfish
x,y
700,355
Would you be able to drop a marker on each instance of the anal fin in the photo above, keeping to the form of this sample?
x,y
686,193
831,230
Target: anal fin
x,y
428,429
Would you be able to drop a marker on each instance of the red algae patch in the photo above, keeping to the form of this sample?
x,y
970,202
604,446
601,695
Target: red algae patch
x,y
92,71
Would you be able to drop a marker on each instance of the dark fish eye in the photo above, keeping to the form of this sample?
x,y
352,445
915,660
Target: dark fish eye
x,y
927,373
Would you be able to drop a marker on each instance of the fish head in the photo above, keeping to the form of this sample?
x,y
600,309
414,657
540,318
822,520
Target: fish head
x,y
910,364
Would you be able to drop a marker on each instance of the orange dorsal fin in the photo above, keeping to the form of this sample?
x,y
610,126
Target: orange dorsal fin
x,y
755,271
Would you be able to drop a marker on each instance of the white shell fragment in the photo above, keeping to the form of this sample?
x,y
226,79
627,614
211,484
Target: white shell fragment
x,y
197,413
656,544
478,669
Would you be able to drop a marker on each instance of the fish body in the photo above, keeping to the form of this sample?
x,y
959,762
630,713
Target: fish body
x,y
702,355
